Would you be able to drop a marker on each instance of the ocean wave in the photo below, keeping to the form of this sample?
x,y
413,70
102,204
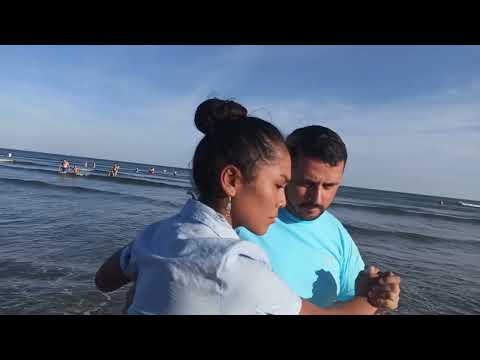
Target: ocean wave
x,y
79,189
104,167
20,162
141,181
381,209
368,231
137,180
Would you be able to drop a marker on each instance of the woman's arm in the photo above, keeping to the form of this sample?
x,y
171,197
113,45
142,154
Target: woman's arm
x,y
110,276
359,306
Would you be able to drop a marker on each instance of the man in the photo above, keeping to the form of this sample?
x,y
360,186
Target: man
x,y
307,246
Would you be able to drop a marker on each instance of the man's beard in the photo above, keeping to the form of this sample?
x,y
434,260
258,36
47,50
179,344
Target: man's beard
x,y
297,211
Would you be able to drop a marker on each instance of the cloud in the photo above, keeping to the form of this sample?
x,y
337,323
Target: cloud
x,y
423,145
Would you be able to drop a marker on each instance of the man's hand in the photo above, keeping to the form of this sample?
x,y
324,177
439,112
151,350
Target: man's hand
x,y
385,294
366,280
382,290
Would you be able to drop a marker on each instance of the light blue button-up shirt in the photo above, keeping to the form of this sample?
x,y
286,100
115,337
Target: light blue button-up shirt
x,y
194,263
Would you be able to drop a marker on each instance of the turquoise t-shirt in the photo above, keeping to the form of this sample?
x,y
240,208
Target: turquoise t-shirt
x,y
317,259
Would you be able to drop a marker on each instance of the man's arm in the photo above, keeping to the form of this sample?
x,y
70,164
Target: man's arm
x,y
110,276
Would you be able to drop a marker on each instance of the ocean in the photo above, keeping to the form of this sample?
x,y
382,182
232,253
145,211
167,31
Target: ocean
x,y
55,231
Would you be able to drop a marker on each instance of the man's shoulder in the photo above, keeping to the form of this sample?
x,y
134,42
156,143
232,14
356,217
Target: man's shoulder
x,y
335,222
329,217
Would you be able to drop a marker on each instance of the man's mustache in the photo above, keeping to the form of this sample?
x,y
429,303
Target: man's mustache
x,y
311,206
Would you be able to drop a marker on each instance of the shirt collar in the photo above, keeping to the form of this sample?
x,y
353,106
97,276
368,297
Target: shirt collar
x,y
287,217
197,211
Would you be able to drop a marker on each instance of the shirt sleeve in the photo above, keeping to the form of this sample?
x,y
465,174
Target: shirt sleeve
x,y
250,287
128,262
351,267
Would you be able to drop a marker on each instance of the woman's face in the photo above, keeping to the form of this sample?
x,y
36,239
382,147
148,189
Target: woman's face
x,y
256,203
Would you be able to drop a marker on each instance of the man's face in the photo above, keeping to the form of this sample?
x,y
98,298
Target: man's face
x,y
313,187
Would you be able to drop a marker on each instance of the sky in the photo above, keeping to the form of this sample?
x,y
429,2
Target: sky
x,y
409,115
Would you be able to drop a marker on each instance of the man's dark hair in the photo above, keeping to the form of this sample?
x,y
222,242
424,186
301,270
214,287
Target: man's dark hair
x,y
317,142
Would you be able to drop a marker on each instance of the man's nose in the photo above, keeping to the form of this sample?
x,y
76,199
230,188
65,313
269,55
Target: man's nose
x,y
316,195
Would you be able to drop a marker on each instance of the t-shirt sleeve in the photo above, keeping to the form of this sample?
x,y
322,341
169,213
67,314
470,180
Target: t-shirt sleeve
x,y
250,287
128,262
351,267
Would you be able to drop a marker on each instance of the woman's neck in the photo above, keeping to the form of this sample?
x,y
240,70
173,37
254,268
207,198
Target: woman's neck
x,y
219,206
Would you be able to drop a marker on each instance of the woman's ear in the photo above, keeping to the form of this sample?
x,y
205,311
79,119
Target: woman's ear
x,y
231,180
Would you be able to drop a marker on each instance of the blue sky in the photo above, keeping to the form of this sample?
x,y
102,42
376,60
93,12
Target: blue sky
x,y
410,115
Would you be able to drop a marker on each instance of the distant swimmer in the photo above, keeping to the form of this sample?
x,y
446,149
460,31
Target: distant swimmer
x,y
64,166
174,173
114,170
76,170
151,171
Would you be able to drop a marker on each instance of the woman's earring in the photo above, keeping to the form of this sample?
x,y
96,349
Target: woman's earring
x,y
228,208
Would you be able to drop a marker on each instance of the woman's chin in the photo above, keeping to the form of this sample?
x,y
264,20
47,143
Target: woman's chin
x,y
261,230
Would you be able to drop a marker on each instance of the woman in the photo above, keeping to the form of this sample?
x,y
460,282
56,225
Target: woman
x,y
194,262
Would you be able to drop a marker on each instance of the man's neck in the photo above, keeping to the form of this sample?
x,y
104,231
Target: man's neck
x,y
291,212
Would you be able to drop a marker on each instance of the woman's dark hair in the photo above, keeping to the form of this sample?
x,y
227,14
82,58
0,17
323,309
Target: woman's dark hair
x,y
317,142
231,137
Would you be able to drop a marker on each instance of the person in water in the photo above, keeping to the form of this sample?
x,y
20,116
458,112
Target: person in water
x,y
64,166
151,171
114,170
194,261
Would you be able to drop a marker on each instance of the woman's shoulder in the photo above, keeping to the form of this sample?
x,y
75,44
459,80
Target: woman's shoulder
x,y
245,250
218,254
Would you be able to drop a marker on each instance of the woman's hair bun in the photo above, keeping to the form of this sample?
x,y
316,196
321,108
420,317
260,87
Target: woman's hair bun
x,y
214,113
